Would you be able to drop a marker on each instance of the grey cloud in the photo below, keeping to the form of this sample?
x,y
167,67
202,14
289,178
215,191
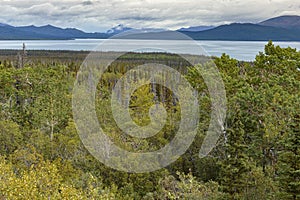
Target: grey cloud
x,y
87,3
99,15
138,18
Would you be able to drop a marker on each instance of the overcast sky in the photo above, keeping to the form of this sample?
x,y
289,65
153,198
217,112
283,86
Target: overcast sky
x,y
100,15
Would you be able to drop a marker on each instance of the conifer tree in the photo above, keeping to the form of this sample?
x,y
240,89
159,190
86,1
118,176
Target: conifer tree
x,y
289,162
236,163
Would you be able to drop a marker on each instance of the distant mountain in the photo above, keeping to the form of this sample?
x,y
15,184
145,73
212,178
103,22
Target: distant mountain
x,y
14,33
284,28
197,28
246,32
54,31
8,32
288,22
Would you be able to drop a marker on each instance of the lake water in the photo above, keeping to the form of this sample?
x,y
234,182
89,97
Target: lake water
x,y
241,50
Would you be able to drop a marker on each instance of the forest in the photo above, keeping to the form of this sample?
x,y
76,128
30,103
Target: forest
x,y
257,156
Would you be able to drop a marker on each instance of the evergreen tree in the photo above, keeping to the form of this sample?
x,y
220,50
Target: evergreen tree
x,y
289,162
236,163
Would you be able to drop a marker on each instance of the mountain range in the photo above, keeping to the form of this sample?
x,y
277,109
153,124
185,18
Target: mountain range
x,y
283,28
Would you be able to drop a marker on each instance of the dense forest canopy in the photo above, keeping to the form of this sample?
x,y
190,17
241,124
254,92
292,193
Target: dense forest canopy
x,y
257,156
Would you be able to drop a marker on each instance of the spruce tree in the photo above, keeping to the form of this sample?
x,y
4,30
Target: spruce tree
x,y
236,164
289,162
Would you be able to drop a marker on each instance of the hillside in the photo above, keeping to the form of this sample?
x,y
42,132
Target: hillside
x,y
288,22
44,155
246,32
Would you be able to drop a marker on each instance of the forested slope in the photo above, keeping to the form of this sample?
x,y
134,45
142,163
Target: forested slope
x,y
257,157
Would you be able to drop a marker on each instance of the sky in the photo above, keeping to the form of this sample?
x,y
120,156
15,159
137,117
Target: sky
x,y
101,15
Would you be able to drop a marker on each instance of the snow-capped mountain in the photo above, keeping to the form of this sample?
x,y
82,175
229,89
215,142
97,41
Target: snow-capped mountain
x,y
118,29
197,28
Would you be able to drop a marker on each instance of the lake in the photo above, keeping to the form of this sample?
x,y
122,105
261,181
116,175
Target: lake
x,y
241,50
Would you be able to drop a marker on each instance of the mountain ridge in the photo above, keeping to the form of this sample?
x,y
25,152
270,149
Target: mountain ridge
x,y
246,32
285,21
282,28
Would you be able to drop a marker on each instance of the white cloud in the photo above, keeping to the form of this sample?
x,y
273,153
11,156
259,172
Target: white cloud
x,y
99,15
